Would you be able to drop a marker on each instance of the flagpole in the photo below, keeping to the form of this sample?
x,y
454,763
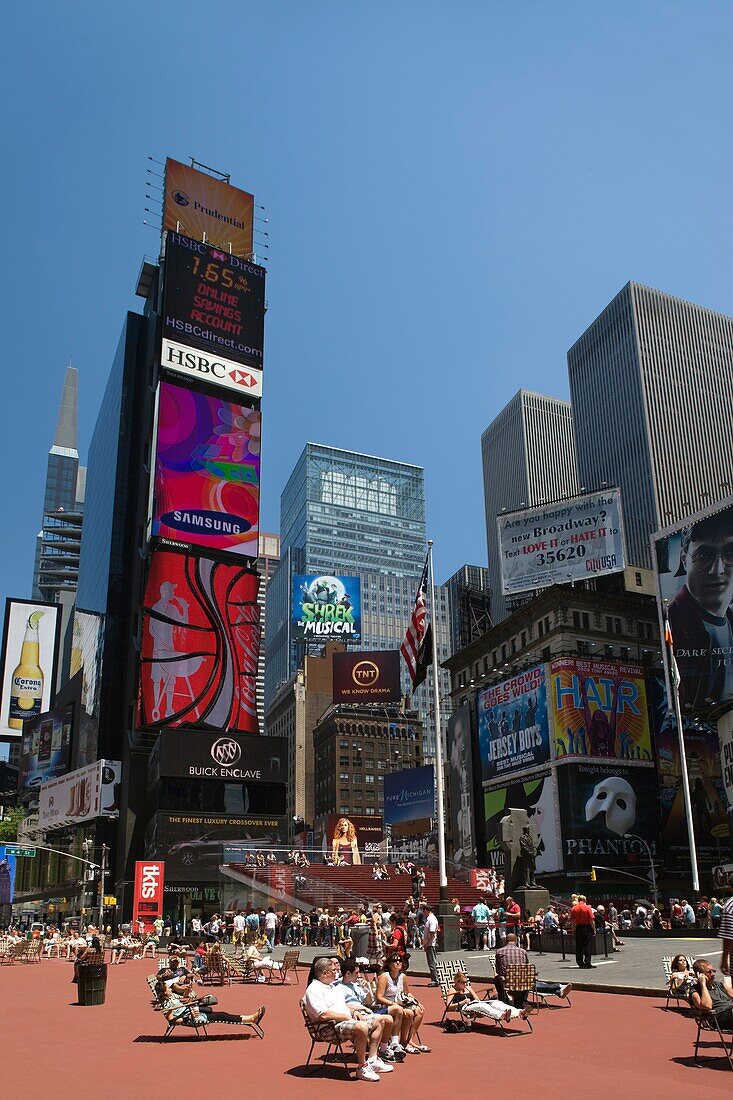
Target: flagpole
x,y
439,777
674,692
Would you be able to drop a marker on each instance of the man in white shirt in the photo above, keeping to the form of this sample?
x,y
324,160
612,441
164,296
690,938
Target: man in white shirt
x,y
326,1002
430,940
240,926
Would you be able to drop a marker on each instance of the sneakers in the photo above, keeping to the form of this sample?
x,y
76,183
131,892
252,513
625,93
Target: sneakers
x,y
387,1054
379,1065
367,1073
565,989
398,1050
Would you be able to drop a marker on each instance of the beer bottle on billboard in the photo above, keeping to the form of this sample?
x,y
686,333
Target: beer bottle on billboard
x,y
26,685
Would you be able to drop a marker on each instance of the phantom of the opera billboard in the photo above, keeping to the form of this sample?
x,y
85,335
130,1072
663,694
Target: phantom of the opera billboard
x,y
200,645
559,543
326,607
695,575
512,724
367,677
207,472
206,208
599,709
537,798
599,805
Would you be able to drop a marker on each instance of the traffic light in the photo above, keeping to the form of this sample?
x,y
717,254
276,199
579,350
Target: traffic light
x,y
593,875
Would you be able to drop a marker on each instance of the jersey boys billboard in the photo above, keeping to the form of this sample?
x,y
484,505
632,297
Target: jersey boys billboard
x,y
599,708
512,724
568,541
207,472
200,645
326,607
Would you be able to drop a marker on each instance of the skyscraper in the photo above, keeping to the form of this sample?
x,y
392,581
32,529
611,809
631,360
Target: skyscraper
x,y
528,457
352,514
651,382
469,597
56,566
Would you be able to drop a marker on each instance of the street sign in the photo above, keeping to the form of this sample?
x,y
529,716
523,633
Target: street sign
x,y
14,850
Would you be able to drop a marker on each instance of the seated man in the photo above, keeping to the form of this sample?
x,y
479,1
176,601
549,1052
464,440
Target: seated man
x,y
712,995
514,955
461,995
359,994
325,1002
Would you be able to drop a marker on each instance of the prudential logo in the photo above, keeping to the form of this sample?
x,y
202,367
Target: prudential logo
x,y
181,198
226,752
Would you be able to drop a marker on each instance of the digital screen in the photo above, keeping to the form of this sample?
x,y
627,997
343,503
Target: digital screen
x,y
213,302
200,645
207,472
45,750
598,708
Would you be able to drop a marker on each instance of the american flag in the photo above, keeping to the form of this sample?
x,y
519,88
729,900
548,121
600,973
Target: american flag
x,y
417,645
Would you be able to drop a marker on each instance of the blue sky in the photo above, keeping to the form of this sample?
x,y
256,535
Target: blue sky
x,y
455,191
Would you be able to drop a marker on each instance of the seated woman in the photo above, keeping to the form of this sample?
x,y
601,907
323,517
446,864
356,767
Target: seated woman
x,y
52,943
117,944
174,1008
393,990
91,952
259,961
151,946
682,981
345,948
461,995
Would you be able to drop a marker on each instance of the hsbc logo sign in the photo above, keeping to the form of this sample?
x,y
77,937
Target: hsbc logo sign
x,y
210,368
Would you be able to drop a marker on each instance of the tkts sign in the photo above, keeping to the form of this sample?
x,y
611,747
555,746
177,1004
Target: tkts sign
x,y
147,903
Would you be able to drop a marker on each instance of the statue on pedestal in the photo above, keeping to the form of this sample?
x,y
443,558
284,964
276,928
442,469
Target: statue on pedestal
x,y
520,841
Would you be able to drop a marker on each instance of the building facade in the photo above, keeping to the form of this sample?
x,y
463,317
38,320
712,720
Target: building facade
x,y
354,748
469,602
651,382
528,457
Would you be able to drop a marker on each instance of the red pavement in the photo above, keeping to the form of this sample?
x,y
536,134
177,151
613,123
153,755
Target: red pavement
x,y
618,1046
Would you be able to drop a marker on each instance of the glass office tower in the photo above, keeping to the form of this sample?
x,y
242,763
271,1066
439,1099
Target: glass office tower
x,y
353,514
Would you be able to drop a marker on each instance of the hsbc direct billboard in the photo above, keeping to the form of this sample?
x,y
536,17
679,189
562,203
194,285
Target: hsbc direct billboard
x,y
231,758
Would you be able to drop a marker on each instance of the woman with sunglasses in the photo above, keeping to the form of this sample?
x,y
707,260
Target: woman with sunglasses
x,y
393,989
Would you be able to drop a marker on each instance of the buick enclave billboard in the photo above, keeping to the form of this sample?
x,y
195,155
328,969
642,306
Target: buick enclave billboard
x,y
229,757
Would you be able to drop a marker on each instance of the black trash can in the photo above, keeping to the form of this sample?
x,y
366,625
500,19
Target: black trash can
x,y
91,983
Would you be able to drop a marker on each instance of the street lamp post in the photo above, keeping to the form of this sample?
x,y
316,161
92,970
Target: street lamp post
x,y
635,836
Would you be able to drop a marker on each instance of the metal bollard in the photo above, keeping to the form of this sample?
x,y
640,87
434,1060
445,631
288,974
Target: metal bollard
x,y
562,942
539,940
605,940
